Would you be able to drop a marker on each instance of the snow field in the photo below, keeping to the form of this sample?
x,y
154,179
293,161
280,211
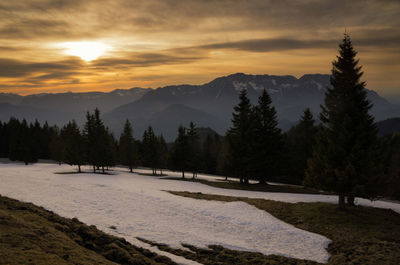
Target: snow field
x,y
138,207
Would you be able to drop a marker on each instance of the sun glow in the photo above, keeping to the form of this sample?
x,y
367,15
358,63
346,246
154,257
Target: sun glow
x,y
86,50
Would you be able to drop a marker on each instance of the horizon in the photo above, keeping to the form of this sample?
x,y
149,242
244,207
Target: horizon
x,y
83,46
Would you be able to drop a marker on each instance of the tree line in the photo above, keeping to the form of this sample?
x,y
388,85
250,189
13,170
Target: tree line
x,y
340,153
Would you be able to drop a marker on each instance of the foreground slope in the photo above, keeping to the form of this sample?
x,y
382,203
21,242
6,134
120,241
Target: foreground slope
x,y
33,235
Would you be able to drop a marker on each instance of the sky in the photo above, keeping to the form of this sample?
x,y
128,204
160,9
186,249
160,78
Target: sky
x,y
50,46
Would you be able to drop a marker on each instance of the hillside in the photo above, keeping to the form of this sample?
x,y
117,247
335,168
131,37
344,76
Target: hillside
x,y
389,126
32,235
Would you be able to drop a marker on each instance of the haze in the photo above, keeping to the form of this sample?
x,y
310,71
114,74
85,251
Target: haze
x,y
71,45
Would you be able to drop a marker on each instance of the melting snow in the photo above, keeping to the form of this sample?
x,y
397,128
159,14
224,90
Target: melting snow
x,y
138,207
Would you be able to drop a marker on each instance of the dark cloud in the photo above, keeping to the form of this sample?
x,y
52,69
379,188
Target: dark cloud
x,y
102,17
143,60
16,68
270,45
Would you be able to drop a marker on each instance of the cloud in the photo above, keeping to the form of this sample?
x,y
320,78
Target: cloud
x,y
15,68
92,18
143,60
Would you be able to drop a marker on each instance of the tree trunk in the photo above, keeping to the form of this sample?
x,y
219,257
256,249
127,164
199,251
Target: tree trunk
x,y
226,178
183,174
130,169
161,171
79,169
193,175
102,168
341,202
350,200
94,169
246,180
26,163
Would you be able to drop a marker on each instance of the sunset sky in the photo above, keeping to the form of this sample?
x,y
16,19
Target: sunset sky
x,y
76,45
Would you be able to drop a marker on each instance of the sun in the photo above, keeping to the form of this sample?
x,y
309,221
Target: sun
x,y
86,50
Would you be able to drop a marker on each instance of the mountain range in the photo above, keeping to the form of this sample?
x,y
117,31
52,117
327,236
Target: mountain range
x,y
165,108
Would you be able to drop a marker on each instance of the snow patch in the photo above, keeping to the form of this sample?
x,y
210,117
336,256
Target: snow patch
x,y
239,85
138,207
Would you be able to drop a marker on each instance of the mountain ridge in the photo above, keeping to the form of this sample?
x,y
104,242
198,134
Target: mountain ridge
x,y
211,103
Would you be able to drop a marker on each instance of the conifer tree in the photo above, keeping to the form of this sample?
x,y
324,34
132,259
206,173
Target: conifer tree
x,y
266,140
100,143
300,140
127,148
179,151
239,135
344,156
57,146
150,154
210,150
163,153
193,154
224,158
74,145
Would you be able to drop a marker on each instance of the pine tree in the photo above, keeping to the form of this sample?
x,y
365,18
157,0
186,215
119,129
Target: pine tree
x,y
224,159
127,148
300,140
74,145
344,157
57,146
163,153
150,150
266,140
239,135
179,159
100,143
193,155
210,150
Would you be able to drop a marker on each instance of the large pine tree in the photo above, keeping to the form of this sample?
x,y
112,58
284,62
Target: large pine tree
x,y
266,140
344,156
239,138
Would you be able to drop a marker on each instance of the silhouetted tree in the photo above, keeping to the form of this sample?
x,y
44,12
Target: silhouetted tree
x,y
265,140
345,154
57,146
163,153
74,145
210,151
127,149
100,144
179,158
151,155
300,140
193,153
239,136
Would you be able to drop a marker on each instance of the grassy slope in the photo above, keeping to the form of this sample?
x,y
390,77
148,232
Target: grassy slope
x,y
360,235
234,185
32,235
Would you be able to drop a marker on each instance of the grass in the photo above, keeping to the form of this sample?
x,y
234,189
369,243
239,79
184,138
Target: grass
x,y
32,235
253,187
360,235
222,256
152,175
